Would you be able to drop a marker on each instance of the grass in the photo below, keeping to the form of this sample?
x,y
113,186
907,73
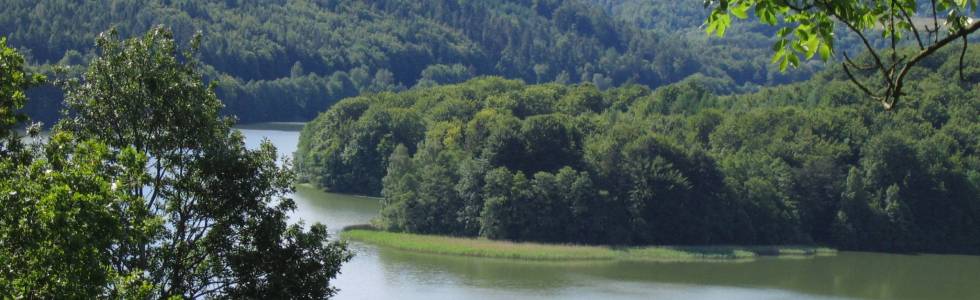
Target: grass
x,y
478,247
560,252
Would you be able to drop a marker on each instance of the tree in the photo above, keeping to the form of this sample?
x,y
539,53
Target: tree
x,y
816,186
551,142
850,223
470,191
550,206
221,208
297,70
59,219
61,222
436,192
809,29
584,204
13,82
400,184
444,74
899,217
497,216
540,70
654,167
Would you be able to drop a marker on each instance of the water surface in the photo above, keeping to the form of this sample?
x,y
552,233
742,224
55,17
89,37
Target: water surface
x,y
377,273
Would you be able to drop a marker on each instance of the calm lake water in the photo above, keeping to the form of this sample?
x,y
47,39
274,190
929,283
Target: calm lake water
x,y
377,273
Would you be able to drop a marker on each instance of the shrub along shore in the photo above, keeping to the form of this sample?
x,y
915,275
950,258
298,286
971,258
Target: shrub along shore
x,y
565,252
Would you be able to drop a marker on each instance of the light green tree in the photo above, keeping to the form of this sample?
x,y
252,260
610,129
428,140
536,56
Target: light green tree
x,y
13,82
807,28
61,202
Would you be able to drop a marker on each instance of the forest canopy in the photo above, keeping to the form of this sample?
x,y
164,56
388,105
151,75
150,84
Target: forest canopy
x,y
812,162
289,60
602,122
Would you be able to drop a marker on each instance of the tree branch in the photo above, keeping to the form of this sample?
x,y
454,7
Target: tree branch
x,y
966,44
915,30
962,33
935,22
847,59
867,45
858,83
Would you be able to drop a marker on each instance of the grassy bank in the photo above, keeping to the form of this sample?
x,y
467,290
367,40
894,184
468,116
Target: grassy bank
x,y
535,251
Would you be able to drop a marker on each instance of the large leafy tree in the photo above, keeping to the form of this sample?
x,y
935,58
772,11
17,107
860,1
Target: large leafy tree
x,y
807,28
60,222
212,217
57,219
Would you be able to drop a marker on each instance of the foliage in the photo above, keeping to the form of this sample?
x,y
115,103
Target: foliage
x,y
288,60
808,29
58,219
61,221
143,191
801,163
13,82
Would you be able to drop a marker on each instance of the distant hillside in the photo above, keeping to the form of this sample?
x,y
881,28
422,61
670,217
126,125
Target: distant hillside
x,y
288,60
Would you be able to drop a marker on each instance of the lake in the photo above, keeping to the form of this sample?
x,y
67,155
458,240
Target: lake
x,y
377,273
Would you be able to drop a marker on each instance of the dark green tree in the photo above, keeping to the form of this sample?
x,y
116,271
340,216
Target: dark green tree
x,y
497,217
221,208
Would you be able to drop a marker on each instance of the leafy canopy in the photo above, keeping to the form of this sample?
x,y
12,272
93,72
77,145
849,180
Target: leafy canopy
x,y
806,28
802,163
143,191
13,82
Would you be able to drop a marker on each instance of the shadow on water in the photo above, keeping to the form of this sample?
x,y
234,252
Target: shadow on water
x,y
333,210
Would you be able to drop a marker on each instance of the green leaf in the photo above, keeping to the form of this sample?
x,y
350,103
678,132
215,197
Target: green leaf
x,y
825,51
723,21
782,32
798,47
770,18
780,44
812,45
718,22
740,11
777,56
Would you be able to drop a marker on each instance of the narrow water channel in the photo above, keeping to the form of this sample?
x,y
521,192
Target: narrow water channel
x,y
377,273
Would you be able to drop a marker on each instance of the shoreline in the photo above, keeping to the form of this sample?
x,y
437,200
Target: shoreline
x,y
318,189
478,247
275,126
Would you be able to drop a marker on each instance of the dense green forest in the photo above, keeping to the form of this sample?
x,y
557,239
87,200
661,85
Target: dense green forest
x,y
812,162
289,60
615,123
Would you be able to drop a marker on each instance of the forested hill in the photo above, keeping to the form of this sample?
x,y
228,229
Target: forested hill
x,y
810,162
288,60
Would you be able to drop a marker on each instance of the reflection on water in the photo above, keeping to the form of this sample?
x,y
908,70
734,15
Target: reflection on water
x,y
385,273
336,212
